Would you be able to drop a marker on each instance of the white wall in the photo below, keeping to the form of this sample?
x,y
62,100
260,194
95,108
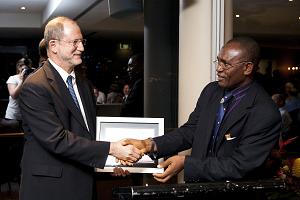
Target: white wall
x,y
194,54
195,25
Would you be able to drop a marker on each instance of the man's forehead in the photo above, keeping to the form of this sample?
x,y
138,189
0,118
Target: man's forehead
x,y
230,51
70,28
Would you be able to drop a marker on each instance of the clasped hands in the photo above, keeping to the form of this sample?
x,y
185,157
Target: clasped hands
x,y
129,151
172,165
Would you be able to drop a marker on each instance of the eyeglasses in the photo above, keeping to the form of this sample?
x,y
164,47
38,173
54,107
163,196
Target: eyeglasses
x,y
226,65
75,43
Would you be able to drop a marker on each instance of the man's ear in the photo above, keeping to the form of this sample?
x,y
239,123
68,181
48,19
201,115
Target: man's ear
x,y
52,46
248,68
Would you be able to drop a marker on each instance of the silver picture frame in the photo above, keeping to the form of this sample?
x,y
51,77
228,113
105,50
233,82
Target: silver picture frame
x,y
117,128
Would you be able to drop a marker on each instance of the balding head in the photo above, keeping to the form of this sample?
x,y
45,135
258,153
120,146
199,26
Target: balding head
x,y
136,66
55,28
64,42
278,99
250,49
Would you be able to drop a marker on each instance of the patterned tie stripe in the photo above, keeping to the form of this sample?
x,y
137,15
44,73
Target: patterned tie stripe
x,y
71,90
220,116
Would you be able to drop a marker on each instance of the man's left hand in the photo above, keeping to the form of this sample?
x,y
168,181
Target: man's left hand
x,y
118,171
174,165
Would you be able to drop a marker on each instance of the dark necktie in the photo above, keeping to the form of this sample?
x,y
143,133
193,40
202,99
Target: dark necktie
x,y
220,115
71,90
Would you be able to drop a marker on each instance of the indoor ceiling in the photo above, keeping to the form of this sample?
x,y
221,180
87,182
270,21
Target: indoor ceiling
x,y
262,18
93,16
267,17
274,23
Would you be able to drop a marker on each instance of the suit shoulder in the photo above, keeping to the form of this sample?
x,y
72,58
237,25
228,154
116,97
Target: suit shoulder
x,y
37,77
263,96
265,104
211,87
213,84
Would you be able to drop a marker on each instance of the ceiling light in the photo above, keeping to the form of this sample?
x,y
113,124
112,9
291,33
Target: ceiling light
x,y
290,0
23,8
237,16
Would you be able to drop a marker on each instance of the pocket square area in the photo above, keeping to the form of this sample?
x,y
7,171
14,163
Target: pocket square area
x,y
229,137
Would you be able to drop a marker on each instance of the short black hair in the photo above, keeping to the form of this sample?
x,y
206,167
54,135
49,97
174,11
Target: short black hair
x,y
138,58
250,48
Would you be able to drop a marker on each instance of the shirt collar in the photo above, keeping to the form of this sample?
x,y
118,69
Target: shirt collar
x,y
64,75
240,90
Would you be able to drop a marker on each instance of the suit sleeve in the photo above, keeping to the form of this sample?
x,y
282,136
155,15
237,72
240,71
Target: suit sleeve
x,y
41,121
182,138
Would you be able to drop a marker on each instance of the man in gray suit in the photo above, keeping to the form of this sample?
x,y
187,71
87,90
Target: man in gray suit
x,y
232,129
59,115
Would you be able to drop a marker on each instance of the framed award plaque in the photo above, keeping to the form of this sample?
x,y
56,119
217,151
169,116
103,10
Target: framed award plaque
x,y
116,128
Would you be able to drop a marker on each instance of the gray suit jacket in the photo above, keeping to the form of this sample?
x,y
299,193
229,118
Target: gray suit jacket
x,y
246,136
59,151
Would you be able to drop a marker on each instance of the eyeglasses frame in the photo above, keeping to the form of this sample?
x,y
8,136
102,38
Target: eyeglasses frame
x,y
225,65
75,42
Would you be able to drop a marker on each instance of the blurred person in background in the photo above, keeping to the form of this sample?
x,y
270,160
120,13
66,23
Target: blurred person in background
x,y
100,96
286,119
126,90
134,104
114,96
42,52
292,102
13,116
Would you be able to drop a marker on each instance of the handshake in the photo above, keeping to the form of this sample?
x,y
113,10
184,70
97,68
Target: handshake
x,y
129,151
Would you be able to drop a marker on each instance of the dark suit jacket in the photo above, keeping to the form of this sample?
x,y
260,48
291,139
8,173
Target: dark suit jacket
x,y
59,151
253,125
134,104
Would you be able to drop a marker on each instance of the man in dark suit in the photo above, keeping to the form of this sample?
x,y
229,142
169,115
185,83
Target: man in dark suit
x,y
231,131
59,114
134,104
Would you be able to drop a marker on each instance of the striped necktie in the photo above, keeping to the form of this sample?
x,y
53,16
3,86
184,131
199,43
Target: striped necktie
x,y
220,115
71,90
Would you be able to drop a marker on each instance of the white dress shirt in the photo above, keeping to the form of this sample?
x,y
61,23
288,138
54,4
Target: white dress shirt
x,y
64,75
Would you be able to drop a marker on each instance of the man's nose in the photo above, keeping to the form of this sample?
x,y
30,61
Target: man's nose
x,y
219,68
222,66
80,46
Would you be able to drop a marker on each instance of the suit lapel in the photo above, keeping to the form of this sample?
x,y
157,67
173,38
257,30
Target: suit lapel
x,y
213,109
60,88
86,98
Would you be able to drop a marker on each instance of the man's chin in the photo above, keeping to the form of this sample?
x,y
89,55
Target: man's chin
x,y
221,83
77,62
